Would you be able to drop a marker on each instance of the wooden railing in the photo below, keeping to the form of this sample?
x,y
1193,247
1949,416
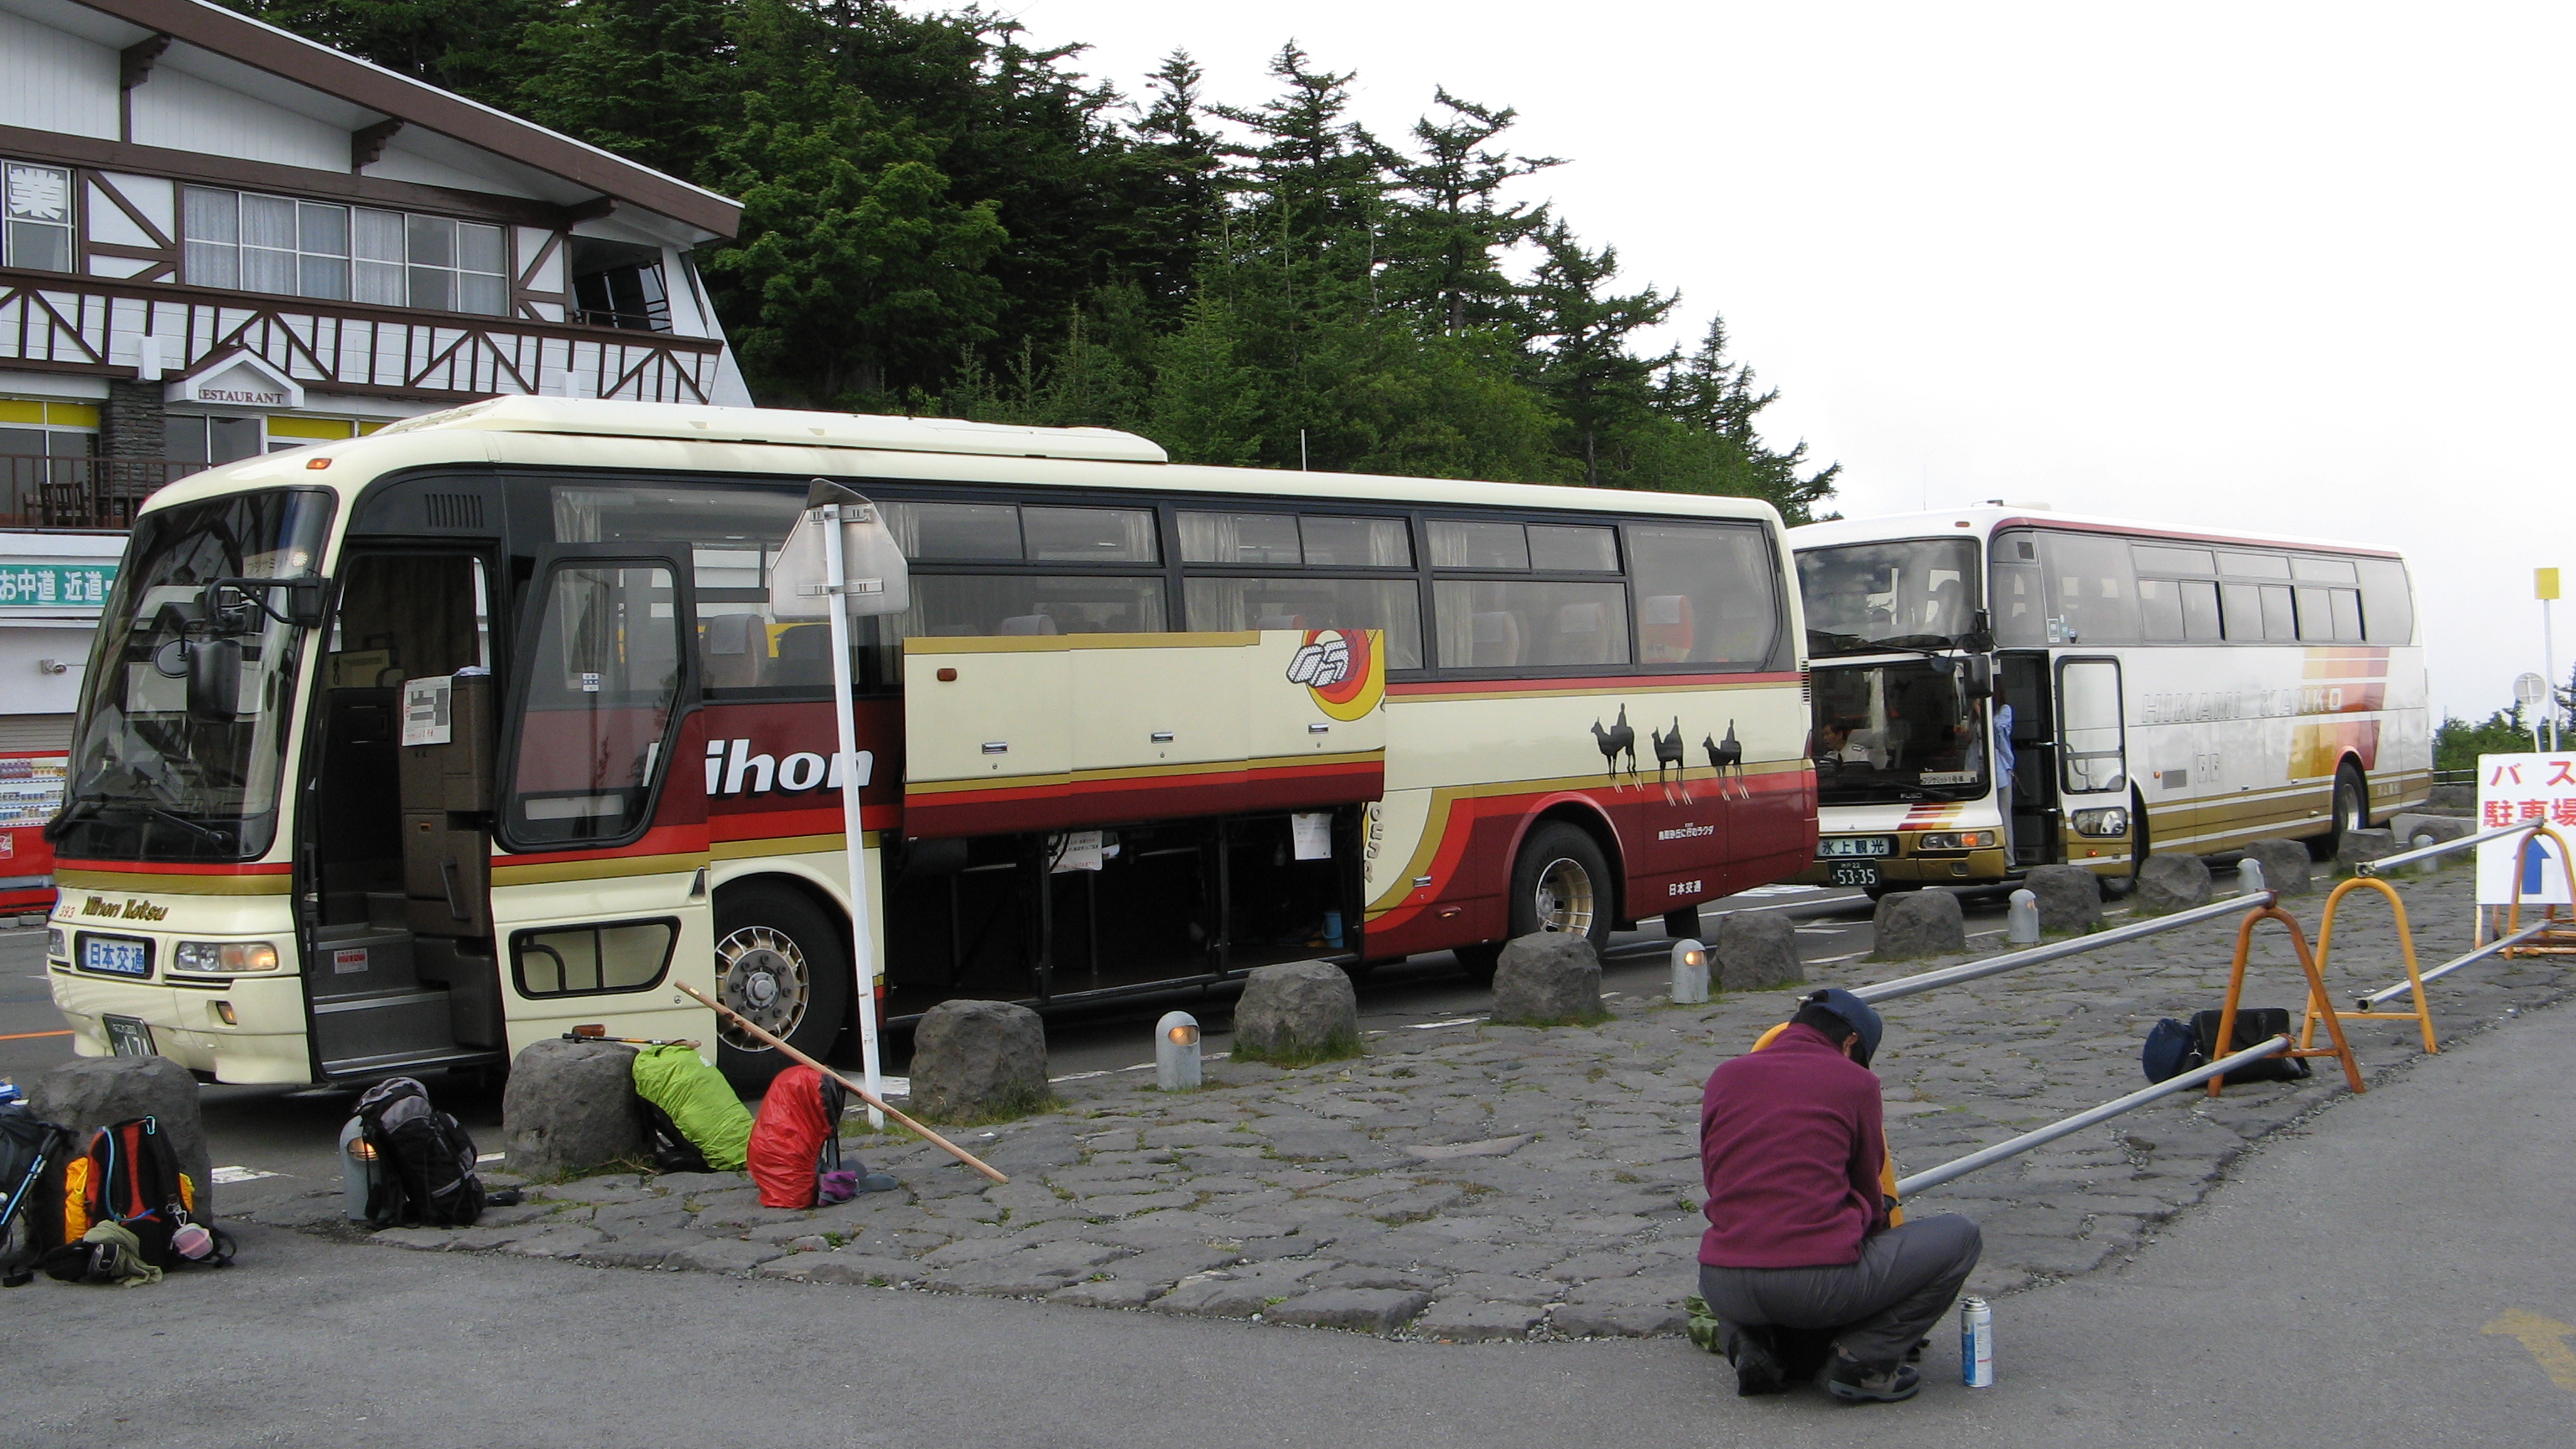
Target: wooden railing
x,y
90,325
81,492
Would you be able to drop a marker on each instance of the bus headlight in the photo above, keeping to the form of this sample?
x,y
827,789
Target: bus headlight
x,y
1959,840
225,957
2111,821
54,949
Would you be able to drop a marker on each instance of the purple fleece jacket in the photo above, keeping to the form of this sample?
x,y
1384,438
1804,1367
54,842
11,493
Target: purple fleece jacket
x,y
1789,1144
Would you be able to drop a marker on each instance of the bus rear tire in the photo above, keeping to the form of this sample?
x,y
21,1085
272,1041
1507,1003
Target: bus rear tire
x,y
1561,882
781,961
2351,812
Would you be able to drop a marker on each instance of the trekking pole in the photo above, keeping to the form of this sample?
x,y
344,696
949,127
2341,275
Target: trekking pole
x,y
862,1093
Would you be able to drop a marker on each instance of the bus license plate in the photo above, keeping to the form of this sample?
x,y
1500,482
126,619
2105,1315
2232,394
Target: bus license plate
x,y
128,1037
1833,846
1852,873
116,956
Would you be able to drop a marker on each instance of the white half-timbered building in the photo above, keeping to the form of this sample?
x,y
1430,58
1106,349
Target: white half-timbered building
x,y
222,239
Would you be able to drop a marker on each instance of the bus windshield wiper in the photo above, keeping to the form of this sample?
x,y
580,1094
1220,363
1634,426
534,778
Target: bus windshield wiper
x,y
112,805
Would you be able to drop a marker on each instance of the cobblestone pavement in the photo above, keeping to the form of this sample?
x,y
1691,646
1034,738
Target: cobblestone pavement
x,y
1465,1181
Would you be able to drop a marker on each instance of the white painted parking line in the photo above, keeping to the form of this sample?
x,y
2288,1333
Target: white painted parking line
x,y
227,1176
1780,890
1139,1067
1453,1021
1830,960
1084,1076
1821,930
489,1157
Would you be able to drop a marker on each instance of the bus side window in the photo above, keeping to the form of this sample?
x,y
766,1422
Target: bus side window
x,y
2387,606
2019,616
1705,593
602,683
2092,589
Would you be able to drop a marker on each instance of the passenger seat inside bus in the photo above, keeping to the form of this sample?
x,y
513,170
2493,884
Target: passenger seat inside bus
x,y
1582,635
1493,639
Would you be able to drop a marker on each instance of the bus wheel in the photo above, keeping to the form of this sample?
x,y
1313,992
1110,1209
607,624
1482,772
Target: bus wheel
x,y
780,962
1562,883
2351,812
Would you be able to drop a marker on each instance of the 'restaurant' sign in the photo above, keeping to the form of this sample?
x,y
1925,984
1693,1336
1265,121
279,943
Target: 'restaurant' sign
x,y
244,382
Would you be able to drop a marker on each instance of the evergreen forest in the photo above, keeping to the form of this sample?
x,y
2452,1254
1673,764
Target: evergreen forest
x,y
941,216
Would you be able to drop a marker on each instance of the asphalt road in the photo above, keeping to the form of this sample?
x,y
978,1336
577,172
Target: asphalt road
x,y
291,1132
2392,1275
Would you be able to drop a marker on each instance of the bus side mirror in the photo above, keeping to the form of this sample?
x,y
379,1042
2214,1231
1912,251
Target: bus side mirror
x,y
877,579
1980,638
214,681
1977,676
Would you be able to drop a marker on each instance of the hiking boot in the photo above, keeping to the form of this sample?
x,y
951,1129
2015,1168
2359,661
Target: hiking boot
x,y
1852,1383
878,1182
1757,1366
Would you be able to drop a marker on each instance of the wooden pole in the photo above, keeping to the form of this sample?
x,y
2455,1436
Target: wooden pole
x,y
863,1094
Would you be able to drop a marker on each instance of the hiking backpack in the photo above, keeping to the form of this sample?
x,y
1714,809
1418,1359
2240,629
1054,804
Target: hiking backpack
x,y
131,1177
426,1174
31,1199
795,1151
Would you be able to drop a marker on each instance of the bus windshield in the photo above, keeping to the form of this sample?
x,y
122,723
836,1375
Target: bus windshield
x,y
1913,593
1896,731
153,778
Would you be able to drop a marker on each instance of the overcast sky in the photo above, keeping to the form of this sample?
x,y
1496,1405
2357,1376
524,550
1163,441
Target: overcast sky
x,y
2298,268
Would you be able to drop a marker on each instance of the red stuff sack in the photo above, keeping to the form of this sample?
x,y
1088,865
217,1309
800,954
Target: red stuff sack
x,y
799,1126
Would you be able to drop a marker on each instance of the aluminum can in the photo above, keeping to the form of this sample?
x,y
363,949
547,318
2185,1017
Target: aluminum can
x,y
1976,1343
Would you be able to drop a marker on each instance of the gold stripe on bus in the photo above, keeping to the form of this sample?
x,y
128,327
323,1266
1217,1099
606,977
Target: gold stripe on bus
x,y
1628,686
1147,772
1052,643
276,883
551,872
787,845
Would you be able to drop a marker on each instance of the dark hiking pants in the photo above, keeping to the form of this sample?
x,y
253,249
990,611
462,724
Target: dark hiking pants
x,y
1876,1308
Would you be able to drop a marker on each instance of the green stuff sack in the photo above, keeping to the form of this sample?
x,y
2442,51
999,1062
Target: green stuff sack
x,y
699,1102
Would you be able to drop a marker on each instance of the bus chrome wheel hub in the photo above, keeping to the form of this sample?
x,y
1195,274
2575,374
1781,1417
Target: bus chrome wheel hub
x,y
763,975
1564,897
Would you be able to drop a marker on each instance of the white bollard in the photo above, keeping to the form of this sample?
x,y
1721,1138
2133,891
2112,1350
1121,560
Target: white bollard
x,y
1690,973
1176,1052
2021,923
2249,877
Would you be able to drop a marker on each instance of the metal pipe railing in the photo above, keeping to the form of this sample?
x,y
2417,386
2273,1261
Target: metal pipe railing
x,y
2390,993
1988,1157
2014,960
2440,848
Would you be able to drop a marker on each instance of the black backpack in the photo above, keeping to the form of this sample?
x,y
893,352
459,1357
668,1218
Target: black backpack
x,y
31,1203
425,1161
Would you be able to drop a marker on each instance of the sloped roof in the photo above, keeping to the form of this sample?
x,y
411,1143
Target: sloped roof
x,y
318,67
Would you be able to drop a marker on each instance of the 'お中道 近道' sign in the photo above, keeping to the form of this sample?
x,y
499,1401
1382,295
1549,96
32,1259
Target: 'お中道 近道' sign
x,y
46,586
2518,790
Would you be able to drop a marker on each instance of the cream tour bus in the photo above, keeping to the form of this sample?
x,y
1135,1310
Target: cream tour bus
x,y
2168,689
410,750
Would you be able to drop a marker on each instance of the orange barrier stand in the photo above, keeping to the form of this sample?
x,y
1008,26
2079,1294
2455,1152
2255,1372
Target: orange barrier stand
x,y
2560,938
2341,1050
2422,1015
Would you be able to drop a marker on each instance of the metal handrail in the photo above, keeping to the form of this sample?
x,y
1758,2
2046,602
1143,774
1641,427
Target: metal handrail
x,y
1989,1156
2014,960
2500,943
2442,847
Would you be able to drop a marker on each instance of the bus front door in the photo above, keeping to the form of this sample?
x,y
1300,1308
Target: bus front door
x,y
601,902
2092,774
398,962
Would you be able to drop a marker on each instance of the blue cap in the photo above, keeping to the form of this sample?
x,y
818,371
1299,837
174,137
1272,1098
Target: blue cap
x,y
1858,1013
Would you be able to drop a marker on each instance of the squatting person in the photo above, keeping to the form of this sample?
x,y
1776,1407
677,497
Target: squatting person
x,y
1792,1147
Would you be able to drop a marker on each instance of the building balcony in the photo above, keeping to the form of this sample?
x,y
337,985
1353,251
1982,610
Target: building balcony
x,y
82,493
110,328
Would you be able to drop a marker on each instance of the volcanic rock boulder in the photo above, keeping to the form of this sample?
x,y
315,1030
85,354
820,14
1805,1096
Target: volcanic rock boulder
x,y
1298,1011
571,1106
978,1061
1547,977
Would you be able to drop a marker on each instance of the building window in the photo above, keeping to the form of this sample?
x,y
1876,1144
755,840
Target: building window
x,y
200,438
40,218
253,243
619,284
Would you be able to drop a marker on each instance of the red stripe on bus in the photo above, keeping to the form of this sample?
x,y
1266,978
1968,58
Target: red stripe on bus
x,y
137,867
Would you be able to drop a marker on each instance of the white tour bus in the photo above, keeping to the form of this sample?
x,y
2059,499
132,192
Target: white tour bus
x,y
413,749
2169,690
